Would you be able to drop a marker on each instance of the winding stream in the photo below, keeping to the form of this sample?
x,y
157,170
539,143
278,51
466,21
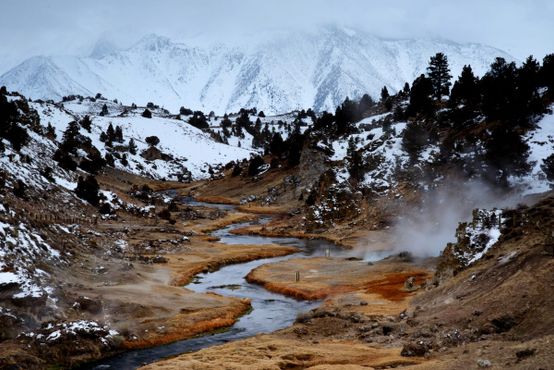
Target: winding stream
x,y
269,312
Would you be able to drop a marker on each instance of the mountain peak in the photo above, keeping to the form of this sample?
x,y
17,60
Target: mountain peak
x,y
152,42
102,48
277,71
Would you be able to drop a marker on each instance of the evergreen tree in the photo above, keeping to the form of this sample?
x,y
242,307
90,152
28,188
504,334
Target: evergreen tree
x,y
547,74
147,113
10,129
345,115
87,189
325,120
64,160
277,145
420,97
548,167
439,74
110,161
185,111
384,94
507,151
110,133
258,125
199,120
226,122
50,132
355,161
295,143
118,134
254,165
94,164
86,123
528,83
465,90
104,111
498,91
414,138
243,120
365,103
70,139
132,146
152,140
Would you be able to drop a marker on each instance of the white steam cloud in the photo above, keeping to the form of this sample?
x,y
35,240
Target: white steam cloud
x,y
425,230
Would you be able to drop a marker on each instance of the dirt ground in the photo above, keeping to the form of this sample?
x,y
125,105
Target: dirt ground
x,y
357,296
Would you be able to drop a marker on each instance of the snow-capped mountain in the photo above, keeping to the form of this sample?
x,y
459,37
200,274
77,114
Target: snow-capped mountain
x,y
277,73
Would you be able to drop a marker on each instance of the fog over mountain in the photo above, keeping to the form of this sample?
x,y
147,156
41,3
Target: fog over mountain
x,y
274,71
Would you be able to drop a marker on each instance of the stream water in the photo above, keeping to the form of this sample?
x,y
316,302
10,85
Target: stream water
x,y
269,312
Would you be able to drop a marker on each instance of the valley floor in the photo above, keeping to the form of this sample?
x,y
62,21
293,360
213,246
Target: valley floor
x,y
379,314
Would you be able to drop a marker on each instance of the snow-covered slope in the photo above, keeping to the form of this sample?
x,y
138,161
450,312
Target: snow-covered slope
x,y
277,73
190,149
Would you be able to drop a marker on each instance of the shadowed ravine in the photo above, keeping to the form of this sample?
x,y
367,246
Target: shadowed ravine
x,y
269,312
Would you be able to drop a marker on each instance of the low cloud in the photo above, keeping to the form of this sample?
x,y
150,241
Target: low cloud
x,y
30,27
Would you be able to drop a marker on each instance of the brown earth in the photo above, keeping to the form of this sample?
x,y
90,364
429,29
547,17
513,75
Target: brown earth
x,y
321,277
357,295
497,313
271,352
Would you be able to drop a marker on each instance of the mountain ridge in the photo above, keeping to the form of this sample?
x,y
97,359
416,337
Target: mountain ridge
x,y
276,74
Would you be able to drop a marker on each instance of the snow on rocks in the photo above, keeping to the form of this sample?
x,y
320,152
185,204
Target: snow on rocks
x,y
53,333
21,249
183,147
476,238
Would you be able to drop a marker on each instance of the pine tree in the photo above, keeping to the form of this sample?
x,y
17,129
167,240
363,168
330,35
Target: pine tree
x,y
243,120
498,91
87,189
10,129
355,161
185,111
277,145
86,123
104,111
384,94
254,165
152,140
345,115
70,139
548,167
414,138
110,135
465,90
110,161
420,97
147,113
547,74
199,120
50,132
132,146
439,74
365,103
258,125
118,134
528,83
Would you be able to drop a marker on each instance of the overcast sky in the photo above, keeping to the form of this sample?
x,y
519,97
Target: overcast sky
x,y
31,27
